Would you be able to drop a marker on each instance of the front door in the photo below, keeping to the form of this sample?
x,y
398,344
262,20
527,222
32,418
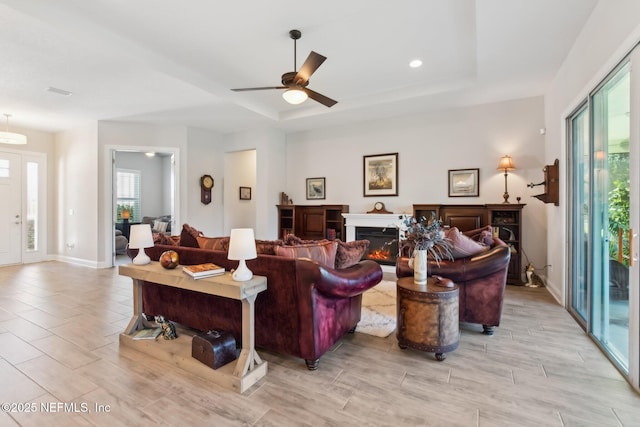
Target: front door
x,y
10,208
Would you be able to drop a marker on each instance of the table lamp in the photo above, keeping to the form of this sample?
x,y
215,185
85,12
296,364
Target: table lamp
x,y
141,238
242,246
506,164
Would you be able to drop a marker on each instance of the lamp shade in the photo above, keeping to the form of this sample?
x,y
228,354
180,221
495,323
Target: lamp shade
x,y
506,164
242,246
295,96
140,237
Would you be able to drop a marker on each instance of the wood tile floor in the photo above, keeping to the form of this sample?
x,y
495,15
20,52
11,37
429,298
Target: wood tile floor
x,y
59,357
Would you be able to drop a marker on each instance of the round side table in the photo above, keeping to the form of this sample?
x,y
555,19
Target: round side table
x,y
427,317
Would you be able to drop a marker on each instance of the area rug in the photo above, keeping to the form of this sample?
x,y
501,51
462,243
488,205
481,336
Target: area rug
x,y
378,315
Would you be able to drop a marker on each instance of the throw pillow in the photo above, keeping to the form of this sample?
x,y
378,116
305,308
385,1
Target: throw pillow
x,y
163,239
189,236
350,253
267,247
463,246
160,226
481,235
322,252
213,243
293,240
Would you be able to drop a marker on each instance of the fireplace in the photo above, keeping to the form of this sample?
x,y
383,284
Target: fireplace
x,y
383,246
390,223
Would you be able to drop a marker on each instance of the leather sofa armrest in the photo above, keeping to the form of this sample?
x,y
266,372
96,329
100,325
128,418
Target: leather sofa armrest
x,y
462,269
342,283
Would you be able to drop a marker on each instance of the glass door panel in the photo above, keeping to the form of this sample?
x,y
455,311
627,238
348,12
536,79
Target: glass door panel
x,y
580,180
610,106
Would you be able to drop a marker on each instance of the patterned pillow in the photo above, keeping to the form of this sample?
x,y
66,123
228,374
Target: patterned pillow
x,y
163,239
213,243
160,226
350,253
322,252
463,246
482,235
267,247
189,236
293,240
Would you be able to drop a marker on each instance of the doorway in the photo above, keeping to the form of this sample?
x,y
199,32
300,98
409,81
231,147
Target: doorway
x,y
23,208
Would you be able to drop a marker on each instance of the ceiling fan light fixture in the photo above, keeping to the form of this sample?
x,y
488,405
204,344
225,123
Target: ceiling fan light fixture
x,y
294,96
13,138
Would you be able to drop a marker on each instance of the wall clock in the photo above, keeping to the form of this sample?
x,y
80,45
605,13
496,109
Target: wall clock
x,y
206,184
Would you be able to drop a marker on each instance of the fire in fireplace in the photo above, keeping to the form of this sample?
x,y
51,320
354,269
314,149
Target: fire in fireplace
x,y
384,243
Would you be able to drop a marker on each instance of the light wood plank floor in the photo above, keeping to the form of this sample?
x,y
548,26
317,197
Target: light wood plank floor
x,y
59,327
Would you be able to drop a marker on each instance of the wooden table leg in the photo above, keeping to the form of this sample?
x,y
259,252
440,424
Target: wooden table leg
x,y
137,321
248,358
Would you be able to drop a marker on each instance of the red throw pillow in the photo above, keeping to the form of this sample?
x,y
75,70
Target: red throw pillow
x,y
463,246
163,239
322,252
189,236
350,253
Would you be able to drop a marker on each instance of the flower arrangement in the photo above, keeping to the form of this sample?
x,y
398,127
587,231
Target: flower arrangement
x,y
426,235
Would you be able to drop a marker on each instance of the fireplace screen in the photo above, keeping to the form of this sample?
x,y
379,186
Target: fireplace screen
x,y
384,243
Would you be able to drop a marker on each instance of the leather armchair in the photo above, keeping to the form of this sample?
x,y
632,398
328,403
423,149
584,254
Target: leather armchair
x,y
481,280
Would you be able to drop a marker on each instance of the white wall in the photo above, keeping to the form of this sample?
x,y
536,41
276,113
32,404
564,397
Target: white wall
x,y
154,175
612,30
428,145
239,171
75,159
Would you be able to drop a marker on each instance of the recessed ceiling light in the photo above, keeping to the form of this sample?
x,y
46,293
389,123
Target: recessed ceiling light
x,y
415,63
150,154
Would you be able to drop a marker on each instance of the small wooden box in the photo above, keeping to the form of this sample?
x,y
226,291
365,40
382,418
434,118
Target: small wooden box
x,y
214,348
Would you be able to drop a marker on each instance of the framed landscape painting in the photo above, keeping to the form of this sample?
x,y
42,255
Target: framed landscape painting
x,y
380,175
464,183
315,188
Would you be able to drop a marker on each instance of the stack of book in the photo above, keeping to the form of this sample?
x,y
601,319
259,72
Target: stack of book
x,y
199,271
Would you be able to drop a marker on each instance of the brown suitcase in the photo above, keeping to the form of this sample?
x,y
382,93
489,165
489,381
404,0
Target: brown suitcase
x,y
214,348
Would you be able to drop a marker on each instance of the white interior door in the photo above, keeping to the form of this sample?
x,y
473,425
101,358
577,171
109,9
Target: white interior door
x,y
11,208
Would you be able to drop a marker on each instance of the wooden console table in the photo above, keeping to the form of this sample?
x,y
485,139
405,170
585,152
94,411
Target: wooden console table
x,y
249,367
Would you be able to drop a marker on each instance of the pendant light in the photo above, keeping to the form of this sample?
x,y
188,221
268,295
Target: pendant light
x,y
7,137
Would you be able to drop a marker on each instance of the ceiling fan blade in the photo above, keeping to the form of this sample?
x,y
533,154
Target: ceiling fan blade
x,y
244,89
324,100
311,64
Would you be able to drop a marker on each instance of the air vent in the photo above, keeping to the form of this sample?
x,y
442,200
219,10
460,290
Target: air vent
x,y
59,91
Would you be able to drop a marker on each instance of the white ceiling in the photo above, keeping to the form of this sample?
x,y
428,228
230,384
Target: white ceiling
x,y
174,62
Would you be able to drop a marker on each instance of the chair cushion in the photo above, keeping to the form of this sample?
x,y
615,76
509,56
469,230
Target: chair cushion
x,y
350,253
322,252
463,246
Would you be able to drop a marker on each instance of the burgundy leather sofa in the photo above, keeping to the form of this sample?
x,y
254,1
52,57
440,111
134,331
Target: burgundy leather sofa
x,y
481,280
305,310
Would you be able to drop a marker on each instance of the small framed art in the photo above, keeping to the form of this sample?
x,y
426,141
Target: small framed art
x,y
464,182
245,193
315,188
380,175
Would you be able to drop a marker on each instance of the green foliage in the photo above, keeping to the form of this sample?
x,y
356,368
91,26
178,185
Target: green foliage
x,y
619,219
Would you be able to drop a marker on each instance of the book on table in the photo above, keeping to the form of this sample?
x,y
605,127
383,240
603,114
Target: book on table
x,y
199,271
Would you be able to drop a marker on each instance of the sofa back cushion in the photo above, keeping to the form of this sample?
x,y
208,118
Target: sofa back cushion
x,y
323,252
350,253
463,246
213,243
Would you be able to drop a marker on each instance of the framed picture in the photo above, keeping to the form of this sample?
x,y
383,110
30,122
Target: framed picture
x,y
315,188
380,175
245,193
464,182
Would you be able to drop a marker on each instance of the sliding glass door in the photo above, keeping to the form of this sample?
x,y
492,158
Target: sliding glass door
x,y
603,145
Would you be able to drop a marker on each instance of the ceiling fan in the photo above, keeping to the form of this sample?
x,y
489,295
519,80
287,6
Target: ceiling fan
x,y
296,83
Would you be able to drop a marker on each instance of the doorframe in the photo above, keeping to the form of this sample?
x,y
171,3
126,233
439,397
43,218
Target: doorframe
x,y
109,199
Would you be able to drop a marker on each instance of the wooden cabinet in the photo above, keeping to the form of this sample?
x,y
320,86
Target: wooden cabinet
x,y
504,218
312,222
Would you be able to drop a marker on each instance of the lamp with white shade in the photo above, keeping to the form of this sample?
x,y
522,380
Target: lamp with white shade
x,y
242,246
141,238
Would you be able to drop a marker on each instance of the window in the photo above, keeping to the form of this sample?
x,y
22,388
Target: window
x,y
128,194
32,206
